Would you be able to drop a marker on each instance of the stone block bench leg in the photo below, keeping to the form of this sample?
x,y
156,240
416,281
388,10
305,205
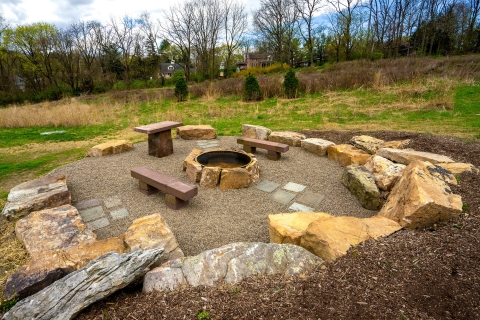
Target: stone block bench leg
x,y
272,155
146,189
174,203
249,149
160,144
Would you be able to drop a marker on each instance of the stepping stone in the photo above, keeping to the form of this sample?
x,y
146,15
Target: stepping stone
x,y
295,187
92,213
112,202
87,204
98,224
267,186
300,207
282,197
119,214
312,199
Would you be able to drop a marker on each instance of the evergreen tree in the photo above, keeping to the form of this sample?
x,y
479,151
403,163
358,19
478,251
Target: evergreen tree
x,y
290,84
252,89
181,89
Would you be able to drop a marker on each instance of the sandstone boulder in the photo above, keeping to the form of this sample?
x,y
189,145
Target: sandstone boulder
x,y
396,144
421,197
362,185
45,192
293,139
346,155
253,169
385,172
210,177
316,146
290,227
101,277
200,132
406,156
151,232
195,152
235,178
231,263
255,132
458,167
193,170
367,143
111,147
331,237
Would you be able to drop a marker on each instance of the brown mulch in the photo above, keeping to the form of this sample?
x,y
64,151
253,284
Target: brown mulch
x,y
413,274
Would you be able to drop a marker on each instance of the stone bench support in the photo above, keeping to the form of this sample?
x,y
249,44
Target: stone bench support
x,y
274,149
159,137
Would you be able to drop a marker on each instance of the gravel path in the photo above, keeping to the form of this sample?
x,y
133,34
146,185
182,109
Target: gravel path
x,y
214,217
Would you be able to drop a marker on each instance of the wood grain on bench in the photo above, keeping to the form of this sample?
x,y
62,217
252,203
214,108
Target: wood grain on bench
x,y
158,127
274,149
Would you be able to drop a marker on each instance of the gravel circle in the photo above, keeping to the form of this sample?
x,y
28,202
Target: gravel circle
x,y
213,218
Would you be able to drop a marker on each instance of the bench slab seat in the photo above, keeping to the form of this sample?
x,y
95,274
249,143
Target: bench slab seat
x,y
274,149
159,137
177,192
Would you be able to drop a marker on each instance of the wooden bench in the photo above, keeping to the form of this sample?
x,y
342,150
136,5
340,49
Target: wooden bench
x,y
274,149
177,193
159,137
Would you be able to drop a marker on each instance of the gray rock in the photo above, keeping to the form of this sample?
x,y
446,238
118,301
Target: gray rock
x,y
361,183
406,156
367,143
65,298
45,192
230,264
316,146
255,132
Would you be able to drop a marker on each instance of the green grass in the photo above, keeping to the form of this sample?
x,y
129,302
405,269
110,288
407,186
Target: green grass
x,y
467,106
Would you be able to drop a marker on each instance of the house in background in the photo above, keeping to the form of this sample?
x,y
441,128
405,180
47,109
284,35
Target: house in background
x,y
254,60
168,69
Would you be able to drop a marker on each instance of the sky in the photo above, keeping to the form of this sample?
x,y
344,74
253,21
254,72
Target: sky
x,y
61,12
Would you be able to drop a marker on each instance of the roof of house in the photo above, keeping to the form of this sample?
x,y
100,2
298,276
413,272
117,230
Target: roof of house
x,y
170,68
258,55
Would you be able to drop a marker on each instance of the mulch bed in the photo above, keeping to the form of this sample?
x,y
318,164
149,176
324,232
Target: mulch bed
x,y
432,273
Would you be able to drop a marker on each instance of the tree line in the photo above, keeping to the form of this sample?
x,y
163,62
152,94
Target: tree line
x,y
41,61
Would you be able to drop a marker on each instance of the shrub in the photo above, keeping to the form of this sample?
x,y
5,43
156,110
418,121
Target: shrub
x,y
181,89
252,89
290,84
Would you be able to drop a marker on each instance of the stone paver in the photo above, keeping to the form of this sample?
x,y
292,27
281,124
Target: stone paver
x,y
310,198
300,207
92,213
282,197
267,186
112,202
207,144
119,214
82,205
97,224
295,187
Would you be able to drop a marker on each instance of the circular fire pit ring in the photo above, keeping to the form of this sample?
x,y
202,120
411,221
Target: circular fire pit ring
x,y
224,159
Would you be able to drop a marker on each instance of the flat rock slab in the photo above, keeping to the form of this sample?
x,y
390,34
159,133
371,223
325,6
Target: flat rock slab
x,y
346,155
65,298
295,187
300,207
230,264
406,156
98,224
316,146
87,204
200,132
42,193
293,139
92,214
311,199
367,143
282,197
111,147
267,186
111,202
119,214
255,132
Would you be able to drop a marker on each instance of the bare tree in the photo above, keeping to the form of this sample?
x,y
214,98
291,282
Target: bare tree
x,y
307,10
235,24
347,22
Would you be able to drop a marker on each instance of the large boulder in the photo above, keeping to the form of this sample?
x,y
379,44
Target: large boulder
x,y
200,132
385,172
151,232
44,268
101,277
367,143
111,147
458,167
362,185
421,197
255,132
316,146
331,237
346,154
45,192
293,139
290,227
406,156
229,264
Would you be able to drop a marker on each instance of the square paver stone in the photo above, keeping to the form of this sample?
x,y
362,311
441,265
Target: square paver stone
x,y
112,202
100,223
267,186
300,207
295,187
312,199
282,197
87,204
119,214
92,213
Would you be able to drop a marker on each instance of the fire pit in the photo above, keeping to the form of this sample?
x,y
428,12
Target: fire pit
x,y
230,169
